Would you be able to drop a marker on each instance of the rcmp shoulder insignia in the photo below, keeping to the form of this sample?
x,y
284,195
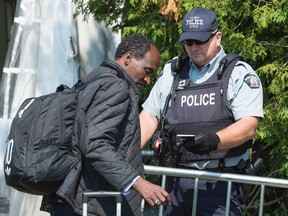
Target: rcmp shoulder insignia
x,y
252,81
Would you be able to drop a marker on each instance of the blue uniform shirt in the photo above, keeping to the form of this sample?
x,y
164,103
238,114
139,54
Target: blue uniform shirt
x,y
245,96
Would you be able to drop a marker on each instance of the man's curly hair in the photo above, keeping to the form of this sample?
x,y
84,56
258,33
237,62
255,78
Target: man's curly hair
x,y
139,45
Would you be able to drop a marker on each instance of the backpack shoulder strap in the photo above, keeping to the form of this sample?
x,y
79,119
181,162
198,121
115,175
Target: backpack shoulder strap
x,y
80,85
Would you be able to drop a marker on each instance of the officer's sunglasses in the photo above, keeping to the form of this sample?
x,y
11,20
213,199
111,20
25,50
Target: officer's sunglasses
x,y
190,42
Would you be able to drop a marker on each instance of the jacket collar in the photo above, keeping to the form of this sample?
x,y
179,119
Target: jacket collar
x,y
121,73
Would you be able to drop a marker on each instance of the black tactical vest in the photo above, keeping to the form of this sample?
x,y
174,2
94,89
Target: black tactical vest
x,y
201,108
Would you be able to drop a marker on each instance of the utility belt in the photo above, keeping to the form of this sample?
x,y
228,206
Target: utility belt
x,y
233,169
243,167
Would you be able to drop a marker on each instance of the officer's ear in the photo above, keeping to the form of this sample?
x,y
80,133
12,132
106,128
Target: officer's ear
x,y
218,36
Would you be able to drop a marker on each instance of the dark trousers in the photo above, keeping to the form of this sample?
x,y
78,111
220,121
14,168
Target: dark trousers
x,y
61,209
211,199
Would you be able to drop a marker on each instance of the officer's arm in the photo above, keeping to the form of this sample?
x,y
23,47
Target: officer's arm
x,y
238,133
148,124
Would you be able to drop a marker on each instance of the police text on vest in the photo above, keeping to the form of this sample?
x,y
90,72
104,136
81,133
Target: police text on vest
x,y
198,100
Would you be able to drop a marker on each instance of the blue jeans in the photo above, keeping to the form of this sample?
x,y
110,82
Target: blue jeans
x,y
61,209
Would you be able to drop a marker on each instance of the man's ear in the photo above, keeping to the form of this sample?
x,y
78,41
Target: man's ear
x,y
128,58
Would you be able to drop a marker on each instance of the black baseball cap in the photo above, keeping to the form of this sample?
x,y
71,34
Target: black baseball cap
x,y
198,24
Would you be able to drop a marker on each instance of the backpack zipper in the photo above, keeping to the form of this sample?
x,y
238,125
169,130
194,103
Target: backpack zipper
x,y
61,119
32,130
33,125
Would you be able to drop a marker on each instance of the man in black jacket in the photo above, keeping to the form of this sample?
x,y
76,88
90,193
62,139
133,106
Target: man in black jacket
x,y
107,125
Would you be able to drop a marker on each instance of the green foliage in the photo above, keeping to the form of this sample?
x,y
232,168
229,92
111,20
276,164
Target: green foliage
x,y
257,30
274,129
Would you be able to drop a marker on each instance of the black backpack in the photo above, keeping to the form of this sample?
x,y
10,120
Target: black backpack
x,y
38,155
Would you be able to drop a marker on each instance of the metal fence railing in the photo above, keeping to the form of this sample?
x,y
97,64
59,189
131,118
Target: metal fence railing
x,y
197,174
102,194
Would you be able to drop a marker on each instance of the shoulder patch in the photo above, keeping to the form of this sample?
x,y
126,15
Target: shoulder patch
x,y
252,81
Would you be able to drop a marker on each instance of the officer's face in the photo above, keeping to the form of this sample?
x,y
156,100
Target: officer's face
x,y
202,54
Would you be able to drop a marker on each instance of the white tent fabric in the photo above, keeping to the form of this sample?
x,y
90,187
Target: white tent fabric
x,y
48,47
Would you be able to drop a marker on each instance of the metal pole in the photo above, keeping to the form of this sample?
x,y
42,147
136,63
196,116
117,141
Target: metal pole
x,y
195,196
163,184
100,194
261,200
85,200
228,197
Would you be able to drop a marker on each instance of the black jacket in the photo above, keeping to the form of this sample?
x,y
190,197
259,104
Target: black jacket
x,y
108,130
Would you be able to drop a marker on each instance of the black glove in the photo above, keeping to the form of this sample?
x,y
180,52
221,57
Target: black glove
x,y
203,143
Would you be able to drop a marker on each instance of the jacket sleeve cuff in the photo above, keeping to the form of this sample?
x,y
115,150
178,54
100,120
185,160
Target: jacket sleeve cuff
x,y
126,189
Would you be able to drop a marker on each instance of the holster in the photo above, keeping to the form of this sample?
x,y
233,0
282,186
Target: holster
x,y
165,154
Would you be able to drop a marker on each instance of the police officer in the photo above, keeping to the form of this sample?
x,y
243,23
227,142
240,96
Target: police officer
x,y
221,116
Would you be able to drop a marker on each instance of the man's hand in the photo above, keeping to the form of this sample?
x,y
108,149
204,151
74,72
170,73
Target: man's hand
x,y
153,194
203,143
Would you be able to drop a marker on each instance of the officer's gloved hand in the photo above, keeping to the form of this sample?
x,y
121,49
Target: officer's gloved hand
x,y
203,143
